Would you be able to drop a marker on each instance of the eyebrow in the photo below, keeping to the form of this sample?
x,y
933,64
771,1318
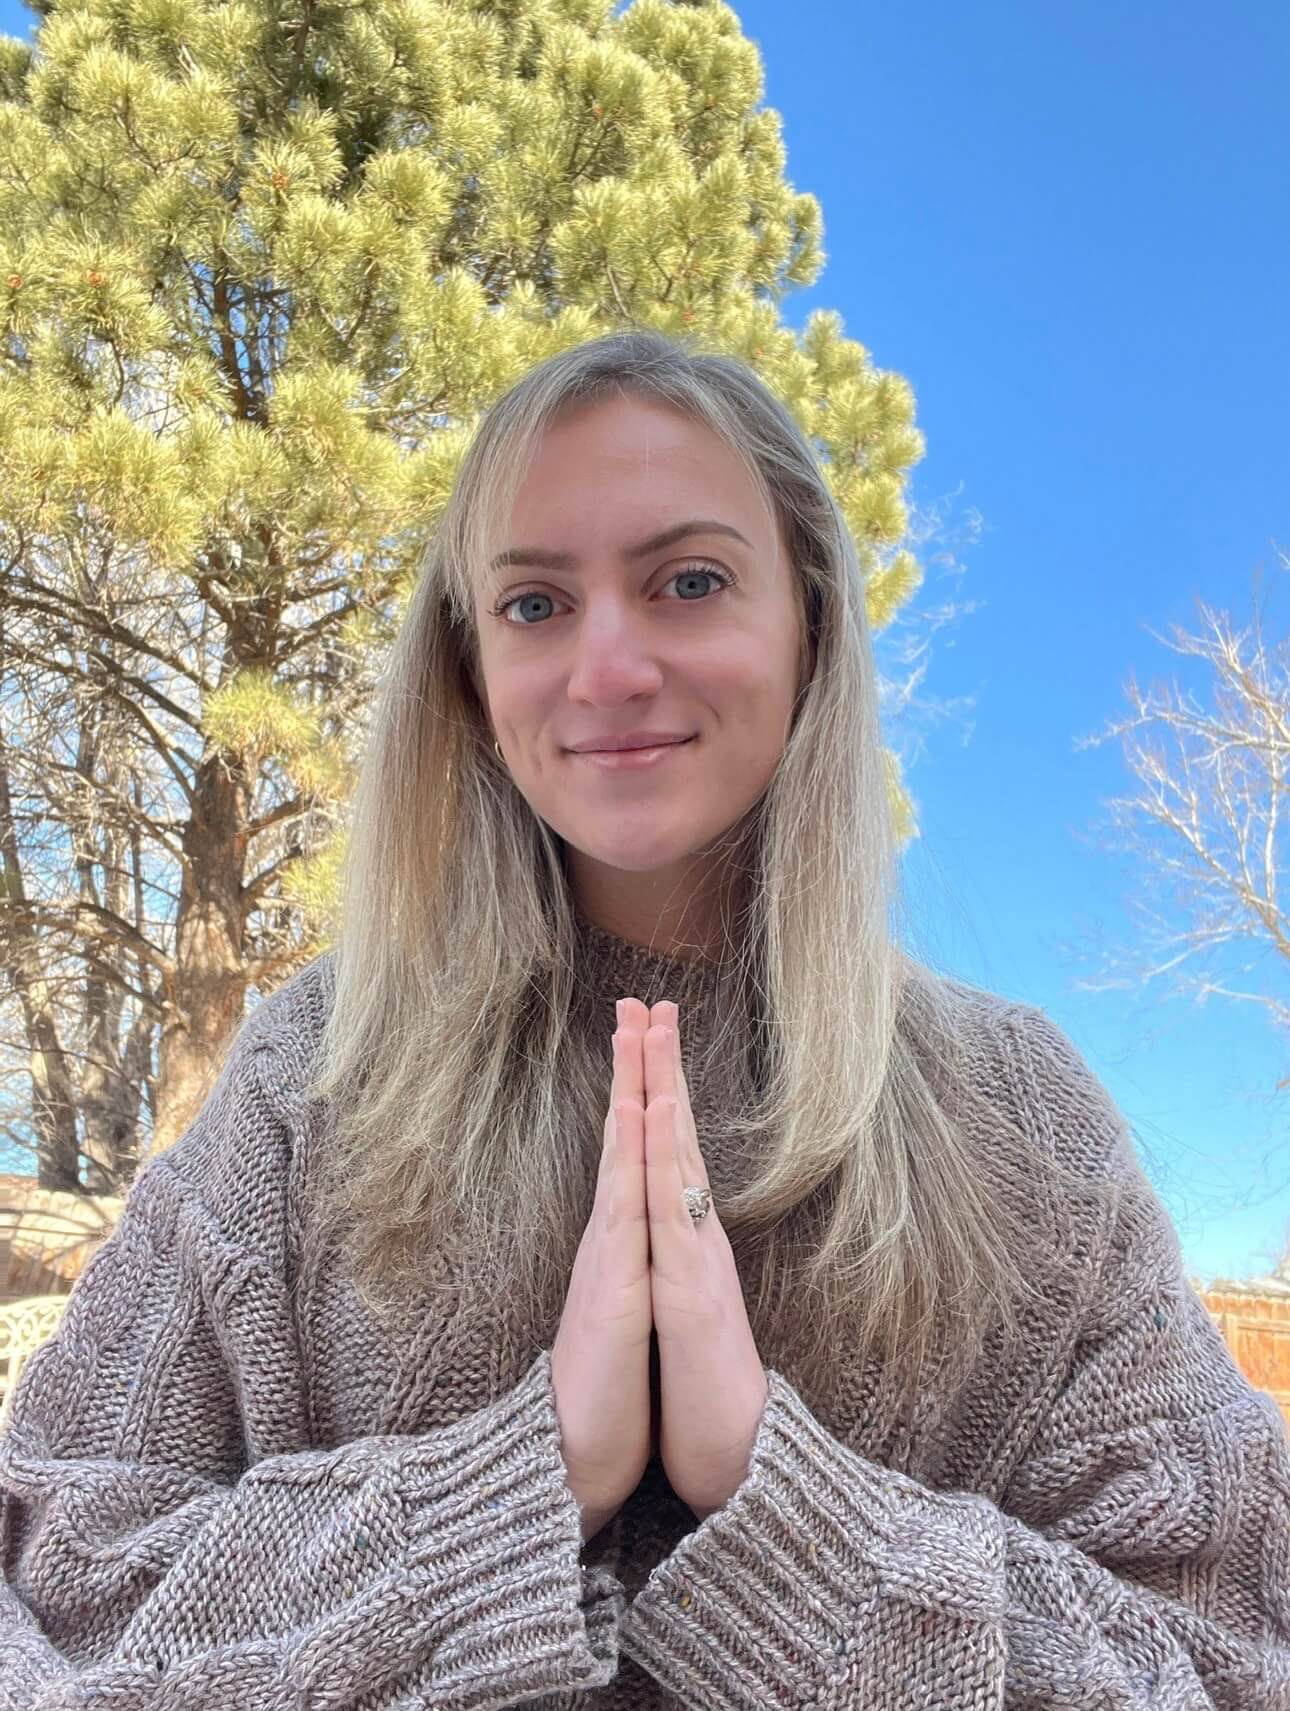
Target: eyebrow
x,y
543,560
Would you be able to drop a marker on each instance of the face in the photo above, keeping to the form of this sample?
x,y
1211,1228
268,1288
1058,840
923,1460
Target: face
x,y
601,635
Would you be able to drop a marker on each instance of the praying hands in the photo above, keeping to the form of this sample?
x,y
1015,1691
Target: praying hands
x,y
645,1265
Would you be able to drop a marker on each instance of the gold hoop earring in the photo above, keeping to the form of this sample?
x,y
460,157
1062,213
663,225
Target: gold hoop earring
x,y
497,751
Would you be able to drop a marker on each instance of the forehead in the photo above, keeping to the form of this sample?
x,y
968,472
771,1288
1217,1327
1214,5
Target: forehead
x,y
648,452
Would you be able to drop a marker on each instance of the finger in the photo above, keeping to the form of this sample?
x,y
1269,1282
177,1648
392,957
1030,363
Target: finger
x,y
633,1014
628,1084
633,1019
621,1207
671,1230
629,1060
627,1094
660,1063
667,1014
626,1207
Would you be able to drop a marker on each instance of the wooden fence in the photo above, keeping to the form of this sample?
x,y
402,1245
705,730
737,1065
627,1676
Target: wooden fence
x,y
47,1238
46,1241
1255,1323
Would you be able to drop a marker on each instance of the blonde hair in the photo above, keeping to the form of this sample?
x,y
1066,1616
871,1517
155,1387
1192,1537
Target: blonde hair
x,y
459,1094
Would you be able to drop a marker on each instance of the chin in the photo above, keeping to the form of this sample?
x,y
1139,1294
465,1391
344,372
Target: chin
x,y
624,853
634,860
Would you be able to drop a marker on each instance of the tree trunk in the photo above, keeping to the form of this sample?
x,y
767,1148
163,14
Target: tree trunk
x,y
53,1092
206,1007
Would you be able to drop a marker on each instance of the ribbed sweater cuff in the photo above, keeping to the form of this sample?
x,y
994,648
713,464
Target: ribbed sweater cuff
x,y
819,1557
493,1582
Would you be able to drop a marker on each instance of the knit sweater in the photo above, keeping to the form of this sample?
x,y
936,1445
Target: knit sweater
x,y
222,1488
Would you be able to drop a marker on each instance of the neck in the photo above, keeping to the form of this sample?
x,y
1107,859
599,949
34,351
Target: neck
x,y
675,917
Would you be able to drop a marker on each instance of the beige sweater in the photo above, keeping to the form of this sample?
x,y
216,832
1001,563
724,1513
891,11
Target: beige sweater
x,y
223,1490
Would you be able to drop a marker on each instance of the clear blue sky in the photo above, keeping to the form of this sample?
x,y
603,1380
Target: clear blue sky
x,y
1065,225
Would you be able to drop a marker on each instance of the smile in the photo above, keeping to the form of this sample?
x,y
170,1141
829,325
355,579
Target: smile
x,y
631,760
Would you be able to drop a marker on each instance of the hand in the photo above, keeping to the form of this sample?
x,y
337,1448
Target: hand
x,y
600,1361
712,1382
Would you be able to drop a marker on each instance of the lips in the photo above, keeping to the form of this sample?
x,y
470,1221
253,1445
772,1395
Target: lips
x,y
627,744
632,760
634,748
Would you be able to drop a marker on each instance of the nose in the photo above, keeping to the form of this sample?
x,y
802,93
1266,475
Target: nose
x,y
612,659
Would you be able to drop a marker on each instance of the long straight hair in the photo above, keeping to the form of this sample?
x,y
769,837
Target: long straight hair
x,y
459,1092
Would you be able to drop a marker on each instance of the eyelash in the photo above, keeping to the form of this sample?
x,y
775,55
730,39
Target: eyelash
x,y
726,578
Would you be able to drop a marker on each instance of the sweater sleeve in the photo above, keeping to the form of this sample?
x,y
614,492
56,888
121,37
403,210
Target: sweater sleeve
x,y
1139,1556
151,1561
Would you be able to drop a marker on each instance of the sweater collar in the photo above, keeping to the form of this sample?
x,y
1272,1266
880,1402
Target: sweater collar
x,y
617,968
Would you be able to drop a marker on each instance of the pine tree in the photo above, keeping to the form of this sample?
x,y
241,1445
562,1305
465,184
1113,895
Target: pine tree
x,y
261,268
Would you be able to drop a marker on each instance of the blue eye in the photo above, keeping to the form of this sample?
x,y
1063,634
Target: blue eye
x,y
503,606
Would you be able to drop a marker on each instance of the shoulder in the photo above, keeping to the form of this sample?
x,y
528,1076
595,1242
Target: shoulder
x,y
230,1167
284,1029
1019,1062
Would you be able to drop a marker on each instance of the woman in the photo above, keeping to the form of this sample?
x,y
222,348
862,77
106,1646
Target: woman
x,y
617,1273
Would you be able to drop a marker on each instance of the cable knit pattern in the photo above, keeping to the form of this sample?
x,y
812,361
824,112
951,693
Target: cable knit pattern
x,y
222,1488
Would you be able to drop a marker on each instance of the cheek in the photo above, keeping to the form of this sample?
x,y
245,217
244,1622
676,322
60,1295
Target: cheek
x,y
503,685
755,709
755,695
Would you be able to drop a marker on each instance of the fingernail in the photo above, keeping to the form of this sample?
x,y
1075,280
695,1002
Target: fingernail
x,y
618,1009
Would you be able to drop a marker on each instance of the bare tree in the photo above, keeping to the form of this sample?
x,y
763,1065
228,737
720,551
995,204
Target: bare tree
x,y
111,818
1209,821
